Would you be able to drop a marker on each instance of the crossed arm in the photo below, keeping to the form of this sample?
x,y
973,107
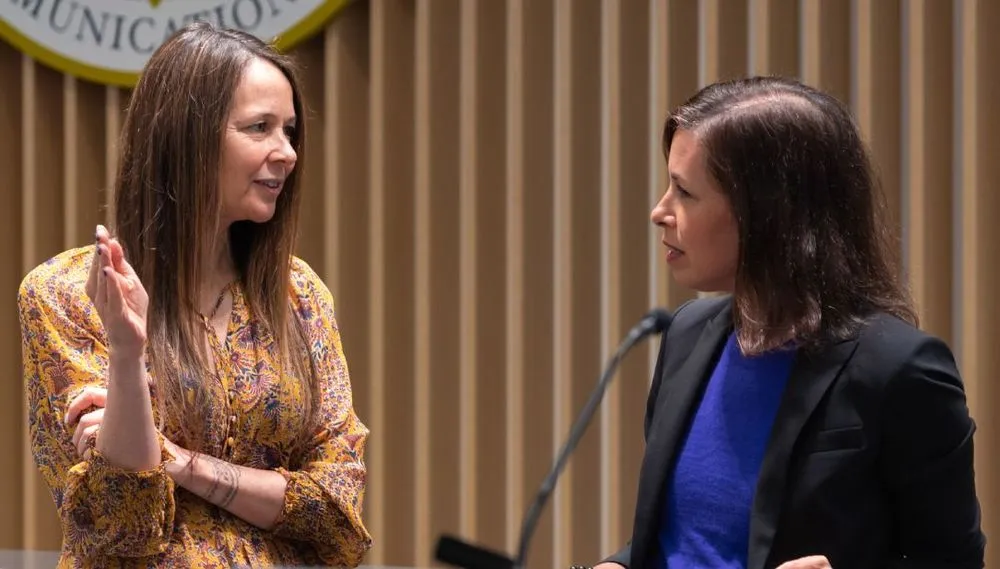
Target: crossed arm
x,y
255,495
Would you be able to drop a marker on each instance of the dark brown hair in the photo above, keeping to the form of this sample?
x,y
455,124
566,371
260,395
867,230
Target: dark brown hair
x,y
816,254
167,210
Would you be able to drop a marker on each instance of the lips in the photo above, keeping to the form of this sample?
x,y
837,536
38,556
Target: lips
x,y
272,184
672,249
673,253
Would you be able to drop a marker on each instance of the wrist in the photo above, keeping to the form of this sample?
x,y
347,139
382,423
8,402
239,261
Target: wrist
x,y
127,368
121,354
179,466
127,352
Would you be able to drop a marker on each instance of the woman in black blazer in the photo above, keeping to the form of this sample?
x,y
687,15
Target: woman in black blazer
x,y
801,420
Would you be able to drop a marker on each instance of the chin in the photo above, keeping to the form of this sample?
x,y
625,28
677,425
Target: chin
x,y
686,281
709,288
702,285
260,215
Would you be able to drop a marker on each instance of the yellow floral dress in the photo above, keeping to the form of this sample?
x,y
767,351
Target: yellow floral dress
x,y
114,518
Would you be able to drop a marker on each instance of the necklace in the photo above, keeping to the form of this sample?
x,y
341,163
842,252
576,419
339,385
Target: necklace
x,y
218,304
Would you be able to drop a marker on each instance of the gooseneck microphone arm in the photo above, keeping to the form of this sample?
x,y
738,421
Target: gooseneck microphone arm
x,y
455,552
653,322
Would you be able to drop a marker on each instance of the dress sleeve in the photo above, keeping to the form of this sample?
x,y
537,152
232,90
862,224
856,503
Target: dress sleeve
x,y
103,510
323,499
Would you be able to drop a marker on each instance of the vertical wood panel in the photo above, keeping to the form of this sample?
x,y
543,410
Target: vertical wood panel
x,y
43,162
391,236
114,105
437,291
634,182
491,266
610,225
565,100
926,144
84,142
467,340
986,207
774,40
423,258
826,46
980,259
17,464
309,57
630,273
346,78
536,322
42,236
723,36
877,90
514,250
378,453
346,132
584,237
445,286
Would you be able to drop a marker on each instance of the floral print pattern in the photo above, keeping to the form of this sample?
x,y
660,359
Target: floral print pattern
x,y
115,518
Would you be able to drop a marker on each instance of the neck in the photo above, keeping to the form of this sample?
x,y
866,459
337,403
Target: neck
x,y
217,270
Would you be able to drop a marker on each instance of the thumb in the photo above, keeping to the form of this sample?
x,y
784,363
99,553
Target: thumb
x,y
810,562
91,286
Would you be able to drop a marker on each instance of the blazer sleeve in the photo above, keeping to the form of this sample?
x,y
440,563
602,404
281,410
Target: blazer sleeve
x,y
623,557
927,462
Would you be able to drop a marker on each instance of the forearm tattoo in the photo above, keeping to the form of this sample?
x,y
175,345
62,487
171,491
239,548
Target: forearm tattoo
x,y
225,481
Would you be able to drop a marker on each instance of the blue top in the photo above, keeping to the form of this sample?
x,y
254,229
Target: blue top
x,y
705,521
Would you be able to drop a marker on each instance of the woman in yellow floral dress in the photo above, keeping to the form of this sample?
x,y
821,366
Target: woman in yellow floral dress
x,y
189,400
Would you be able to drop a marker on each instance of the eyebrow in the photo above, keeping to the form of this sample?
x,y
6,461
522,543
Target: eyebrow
x,y
674,176
267,115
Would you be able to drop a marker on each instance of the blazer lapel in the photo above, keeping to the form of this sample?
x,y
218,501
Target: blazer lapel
x,y
676,402
810,378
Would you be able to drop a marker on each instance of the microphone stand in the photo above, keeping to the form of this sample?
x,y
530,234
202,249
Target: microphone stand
x,y
454,551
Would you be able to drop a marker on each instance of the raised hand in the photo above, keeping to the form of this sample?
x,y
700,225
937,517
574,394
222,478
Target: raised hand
x,y
118,295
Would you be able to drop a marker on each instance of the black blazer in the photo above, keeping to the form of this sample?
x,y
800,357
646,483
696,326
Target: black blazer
x,y
869,462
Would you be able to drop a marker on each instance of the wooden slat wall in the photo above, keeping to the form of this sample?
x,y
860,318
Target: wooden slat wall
x,y
479,179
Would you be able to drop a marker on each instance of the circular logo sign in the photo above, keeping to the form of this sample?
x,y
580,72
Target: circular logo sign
x,y
109,41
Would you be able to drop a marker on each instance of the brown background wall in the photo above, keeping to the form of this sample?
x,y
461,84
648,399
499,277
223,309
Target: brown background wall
x,y
479,178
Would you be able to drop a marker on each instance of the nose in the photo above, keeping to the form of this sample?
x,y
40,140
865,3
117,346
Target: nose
x,y
285,152
663,212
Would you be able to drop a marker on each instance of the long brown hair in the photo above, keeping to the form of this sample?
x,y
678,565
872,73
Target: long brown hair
x,y
816,255
168,208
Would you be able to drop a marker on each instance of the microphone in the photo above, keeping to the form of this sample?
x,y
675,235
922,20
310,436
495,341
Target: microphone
x,y
454,551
